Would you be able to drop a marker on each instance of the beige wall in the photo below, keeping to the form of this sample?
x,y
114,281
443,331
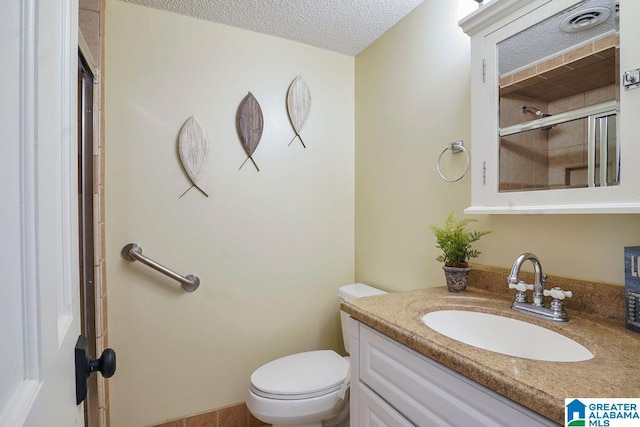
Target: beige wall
x,y
412,99
270,247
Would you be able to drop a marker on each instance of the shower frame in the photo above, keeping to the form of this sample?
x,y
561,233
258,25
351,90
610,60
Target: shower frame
x,y
598,141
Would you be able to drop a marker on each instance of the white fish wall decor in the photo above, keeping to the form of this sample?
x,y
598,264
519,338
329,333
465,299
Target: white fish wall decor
x,y
193,149
298,106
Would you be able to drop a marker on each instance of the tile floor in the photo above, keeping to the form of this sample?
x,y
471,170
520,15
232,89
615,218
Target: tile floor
x,y
233,416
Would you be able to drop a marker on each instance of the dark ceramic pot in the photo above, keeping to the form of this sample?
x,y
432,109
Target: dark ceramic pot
x,y
456,278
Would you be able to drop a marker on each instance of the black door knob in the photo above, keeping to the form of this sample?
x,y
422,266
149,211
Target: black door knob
x,y
85,365
106,365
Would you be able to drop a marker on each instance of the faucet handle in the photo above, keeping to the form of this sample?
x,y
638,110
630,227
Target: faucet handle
x,y
557,293
521,286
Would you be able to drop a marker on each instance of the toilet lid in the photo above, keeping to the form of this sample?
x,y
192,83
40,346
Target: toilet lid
x,y
302,375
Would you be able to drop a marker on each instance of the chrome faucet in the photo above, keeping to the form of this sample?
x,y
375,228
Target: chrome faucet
x,y
555,311
539,279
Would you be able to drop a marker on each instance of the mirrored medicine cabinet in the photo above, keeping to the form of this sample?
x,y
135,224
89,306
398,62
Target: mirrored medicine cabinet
x,y
552,131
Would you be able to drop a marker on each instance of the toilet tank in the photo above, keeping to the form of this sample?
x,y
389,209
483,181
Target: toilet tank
x,y
348,292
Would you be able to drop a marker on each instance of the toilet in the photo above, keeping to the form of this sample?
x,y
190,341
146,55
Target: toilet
x,y
307,389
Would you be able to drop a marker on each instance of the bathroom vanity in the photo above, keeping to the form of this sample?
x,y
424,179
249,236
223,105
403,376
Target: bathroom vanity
x,y
396,384
404,373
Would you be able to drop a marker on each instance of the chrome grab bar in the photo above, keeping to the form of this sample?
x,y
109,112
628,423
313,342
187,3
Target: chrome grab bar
x,y
133,252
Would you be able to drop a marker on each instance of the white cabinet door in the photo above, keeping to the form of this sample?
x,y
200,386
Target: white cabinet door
x,y
39,301
375,412
429,394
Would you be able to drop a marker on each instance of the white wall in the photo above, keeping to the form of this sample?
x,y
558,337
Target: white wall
x,y
270,247
412,99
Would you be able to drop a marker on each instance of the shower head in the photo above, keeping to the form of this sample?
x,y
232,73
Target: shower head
x,y
532,110
538,113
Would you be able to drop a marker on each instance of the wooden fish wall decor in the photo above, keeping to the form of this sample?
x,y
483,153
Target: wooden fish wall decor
x,y
193,148
249,123
298,106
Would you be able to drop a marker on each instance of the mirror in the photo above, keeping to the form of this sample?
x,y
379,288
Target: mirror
x,y
559,101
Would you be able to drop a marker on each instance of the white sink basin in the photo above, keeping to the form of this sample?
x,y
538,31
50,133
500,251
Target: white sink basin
x,y
505,335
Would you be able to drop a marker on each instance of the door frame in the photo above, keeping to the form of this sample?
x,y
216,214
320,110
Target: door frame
x,y
93,57
86,220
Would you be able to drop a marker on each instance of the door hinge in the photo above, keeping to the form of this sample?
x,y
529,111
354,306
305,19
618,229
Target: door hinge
x,y
484,71
484,173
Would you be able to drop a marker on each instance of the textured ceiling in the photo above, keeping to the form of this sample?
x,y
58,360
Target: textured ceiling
x,y
343,26
547,39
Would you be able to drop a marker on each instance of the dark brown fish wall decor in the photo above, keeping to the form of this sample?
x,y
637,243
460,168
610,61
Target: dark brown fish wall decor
x,y
249,123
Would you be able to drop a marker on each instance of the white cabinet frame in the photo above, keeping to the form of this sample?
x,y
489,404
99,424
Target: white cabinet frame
x,y
496,21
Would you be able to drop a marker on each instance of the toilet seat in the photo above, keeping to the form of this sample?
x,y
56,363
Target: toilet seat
x,y
301,376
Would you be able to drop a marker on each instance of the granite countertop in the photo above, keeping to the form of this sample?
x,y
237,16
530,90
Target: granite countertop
x,y
540,386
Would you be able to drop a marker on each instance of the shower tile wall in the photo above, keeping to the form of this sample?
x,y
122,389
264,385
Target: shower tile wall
x,y
523,157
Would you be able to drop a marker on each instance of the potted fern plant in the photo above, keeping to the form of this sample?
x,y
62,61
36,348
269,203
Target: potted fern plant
x,y
455,241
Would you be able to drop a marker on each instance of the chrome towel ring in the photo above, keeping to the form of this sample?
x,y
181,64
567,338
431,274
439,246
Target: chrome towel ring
x,y
456,148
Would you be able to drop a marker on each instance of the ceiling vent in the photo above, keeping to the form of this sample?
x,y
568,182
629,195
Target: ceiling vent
x,y
584,19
